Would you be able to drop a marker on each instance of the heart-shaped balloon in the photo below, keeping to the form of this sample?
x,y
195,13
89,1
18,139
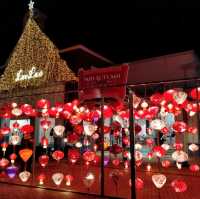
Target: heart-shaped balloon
x,y
193,147
57,178
43,160
159,180
59,130
179,185
157,124
15,139
194,167
89,129
24,176
88,180
179,97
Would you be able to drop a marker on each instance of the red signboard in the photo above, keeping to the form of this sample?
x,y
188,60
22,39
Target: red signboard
x,y
103,82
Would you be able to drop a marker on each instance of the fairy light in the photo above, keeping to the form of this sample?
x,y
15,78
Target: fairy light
x,y
34,50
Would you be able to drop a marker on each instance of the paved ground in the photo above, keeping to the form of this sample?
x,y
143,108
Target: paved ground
x,y
116,187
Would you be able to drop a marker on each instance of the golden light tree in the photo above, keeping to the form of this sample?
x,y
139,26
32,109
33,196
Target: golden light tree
x,y
35,61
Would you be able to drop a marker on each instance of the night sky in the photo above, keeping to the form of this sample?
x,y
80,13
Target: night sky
x,y
121,32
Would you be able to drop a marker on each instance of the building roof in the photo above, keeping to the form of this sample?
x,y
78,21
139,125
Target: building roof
x,y
79,56
177,66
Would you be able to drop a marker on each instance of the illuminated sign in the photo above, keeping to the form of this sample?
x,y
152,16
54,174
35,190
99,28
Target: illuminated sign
x,y
32,74
103,82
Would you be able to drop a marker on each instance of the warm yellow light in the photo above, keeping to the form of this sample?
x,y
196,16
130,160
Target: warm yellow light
x,y
148,167
34,52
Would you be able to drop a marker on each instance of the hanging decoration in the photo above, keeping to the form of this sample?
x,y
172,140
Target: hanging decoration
x,y
24,176
43,160
58,155
59,130
179,185
159,180
11,171
69,179
88,180
57,178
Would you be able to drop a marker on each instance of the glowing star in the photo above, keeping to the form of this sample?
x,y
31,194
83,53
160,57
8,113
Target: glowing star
x,y
159,180
24,176
57,178
31,5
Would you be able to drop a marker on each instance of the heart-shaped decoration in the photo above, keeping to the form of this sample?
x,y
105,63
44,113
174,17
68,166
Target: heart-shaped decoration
x,y
157,124
24,176
179,185
165,163
179,97
159,180
165,146
15,139
89,129
16,111
57,178
193,147
180,156
59,130
194,167
116,162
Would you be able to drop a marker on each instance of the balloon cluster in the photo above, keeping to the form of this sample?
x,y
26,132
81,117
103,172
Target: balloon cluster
x,y
84,138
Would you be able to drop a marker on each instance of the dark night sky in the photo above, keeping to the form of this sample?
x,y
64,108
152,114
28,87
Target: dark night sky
x,y
121,32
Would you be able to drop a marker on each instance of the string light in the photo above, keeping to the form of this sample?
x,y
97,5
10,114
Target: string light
x,y
34,50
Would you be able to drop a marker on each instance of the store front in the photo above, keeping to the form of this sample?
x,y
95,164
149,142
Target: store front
x,y
126,129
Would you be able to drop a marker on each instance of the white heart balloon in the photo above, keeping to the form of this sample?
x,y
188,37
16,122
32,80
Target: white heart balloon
x,y
180,156
159,180
15,139
180,97
165,146
157,124
89,128
57,178
193,147
59,130
24,176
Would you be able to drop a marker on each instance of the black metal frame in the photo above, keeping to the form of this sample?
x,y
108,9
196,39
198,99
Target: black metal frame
x,y
130,88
